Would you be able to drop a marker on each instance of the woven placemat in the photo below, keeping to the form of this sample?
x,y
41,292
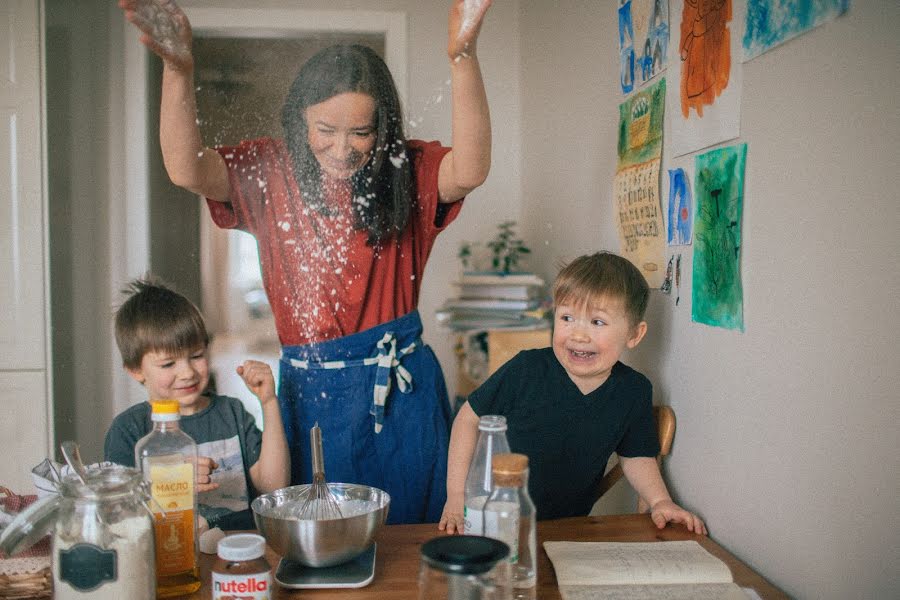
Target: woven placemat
x,y
27,575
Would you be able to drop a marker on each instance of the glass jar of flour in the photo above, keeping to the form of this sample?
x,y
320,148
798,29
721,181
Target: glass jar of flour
x,y
103,545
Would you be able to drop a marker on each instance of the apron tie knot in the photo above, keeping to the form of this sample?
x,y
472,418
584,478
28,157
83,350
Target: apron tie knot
x,y
388,361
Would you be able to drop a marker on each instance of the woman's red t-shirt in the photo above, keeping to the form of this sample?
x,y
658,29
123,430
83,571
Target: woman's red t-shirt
x,y
322,279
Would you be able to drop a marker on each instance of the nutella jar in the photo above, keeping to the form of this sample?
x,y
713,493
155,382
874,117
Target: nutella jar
x,y
241,570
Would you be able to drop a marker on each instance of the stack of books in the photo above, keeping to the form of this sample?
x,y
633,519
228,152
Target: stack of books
x,y
489,300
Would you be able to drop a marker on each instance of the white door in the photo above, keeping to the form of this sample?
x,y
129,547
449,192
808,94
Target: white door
x,y
25,428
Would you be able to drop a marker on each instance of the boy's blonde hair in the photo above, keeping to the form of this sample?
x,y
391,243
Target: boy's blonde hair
x,y
603,275
155,318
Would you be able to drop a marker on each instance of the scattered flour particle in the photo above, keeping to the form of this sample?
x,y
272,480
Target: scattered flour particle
x,y
200,154
229,156
262,183
333,291
304,268
285,226
413,276
290,242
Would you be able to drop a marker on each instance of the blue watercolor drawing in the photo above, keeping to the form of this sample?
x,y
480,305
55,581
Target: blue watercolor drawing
x,y
626,47
681,210
653,57
773,22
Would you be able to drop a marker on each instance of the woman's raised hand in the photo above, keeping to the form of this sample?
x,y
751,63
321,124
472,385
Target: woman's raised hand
x,y
466,17
165,30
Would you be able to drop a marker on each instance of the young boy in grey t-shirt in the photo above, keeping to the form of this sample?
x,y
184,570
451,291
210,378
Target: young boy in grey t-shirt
x,y
164,346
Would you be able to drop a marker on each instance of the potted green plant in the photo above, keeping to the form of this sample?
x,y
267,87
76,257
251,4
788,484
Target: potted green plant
x,y
506,248
465,255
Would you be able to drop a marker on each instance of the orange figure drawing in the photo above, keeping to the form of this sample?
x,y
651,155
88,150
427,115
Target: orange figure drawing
x,y
705,52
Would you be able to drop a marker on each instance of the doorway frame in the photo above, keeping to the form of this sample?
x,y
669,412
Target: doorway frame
x,y
130,232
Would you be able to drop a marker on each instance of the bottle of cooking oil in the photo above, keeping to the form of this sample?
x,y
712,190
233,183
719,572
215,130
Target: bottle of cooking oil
x,y
167,456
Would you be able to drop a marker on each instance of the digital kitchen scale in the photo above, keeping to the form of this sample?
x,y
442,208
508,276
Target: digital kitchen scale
x,y
356,573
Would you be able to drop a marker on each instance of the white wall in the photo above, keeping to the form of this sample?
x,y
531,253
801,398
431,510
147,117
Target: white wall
x,y
787,434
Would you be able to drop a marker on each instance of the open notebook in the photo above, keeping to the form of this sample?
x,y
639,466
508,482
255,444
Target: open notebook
x,y
646,571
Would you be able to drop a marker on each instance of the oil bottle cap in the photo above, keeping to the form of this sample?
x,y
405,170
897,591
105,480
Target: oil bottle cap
x,y
164,410
241,546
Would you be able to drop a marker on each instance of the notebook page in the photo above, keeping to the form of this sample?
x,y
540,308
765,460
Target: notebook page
x,y
620,563
699,591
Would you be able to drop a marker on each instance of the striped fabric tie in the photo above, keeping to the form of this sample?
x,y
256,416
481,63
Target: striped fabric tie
x,y
387,361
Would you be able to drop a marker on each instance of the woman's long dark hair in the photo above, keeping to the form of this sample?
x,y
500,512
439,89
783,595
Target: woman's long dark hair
x,y
385,184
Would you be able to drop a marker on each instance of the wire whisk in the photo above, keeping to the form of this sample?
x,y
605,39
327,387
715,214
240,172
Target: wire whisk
x,y
318,502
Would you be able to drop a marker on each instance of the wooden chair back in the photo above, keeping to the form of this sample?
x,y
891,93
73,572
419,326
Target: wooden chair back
x,y
665,429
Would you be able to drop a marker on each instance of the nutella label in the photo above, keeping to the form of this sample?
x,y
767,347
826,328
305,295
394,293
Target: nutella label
x,y
253,586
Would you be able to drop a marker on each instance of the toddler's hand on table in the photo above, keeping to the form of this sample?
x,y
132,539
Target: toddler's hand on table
x,y
451,519
205,467
666,511
259,380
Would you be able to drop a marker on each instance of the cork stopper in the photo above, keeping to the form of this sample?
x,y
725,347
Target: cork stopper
x,y
508,469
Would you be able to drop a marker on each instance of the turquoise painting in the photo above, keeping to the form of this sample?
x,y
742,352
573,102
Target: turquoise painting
x,y
717,294
772,22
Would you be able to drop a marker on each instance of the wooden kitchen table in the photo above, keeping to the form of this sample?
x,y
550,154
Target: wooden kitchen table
x,y
397,561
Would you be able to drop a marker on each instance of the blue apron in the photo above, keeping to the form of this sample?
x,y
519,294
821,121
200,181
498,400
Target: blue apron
x,y
380,399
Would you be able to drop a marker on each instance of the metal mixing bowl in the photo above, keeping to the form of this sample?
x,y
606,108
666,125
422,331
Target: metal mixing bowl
x,y
322,543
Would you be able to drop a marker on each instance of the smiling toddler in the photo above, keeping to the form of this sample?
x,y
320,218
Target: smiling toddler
x,y
569,407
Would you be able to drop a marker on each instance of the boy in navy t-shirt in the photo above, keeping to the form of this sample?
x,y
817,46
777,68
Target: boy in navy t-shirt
x,y
569,407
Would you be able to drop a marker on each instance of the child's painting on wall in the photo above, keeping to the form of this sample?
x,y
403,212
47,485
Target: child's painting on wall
x,y
681,210
705,75
638,208
717,293
773,22
643,41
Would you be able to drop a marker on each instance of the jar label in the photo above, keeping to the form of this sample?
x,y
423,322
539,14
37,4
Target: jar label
x,y
253,586
172,487
86,566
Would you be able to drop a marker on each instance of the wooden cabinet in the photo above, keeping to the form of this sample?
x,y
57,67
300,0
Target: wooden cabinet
x,y
500,345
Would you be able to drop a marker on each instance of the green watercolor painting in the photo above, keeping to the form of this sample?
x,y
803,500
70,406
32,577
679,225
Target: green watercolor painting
x,y
717,293
641,126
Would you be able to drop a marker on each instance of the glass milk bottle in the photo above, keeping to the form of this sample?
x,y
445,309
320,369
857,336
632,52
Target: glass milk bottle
x,y
509,516
167,457
491,441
